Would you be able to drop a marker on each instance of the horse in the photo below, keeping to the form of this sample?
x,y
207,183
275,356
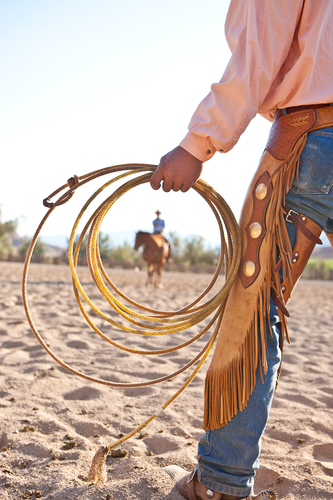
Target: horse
x,y
155,253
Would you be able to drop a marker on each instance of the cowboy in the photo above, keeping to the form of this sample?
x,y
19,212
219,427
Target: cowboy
x,y
159,226
282,68
158,223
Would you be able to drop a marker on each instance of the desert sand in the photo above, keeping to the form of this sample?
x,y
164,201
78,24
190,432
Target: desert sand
x,y
52,422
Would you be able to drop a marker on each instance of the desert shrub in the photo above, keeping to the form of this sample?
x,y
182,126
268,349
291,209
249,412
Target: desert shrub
x,y
319,269
6,244
38,253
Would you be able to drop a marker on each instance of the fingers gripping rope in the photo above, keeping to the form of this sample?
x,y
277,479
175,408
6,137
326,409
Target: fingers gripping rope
x,y
144,320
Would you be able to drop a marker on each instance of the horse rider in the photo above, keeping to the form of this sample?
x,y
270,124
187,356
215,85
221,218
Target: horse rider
x,y
159,226
158,223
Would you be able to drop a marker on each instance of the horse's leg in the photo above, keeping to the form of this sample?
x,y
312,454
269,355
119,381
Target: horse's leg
x,y
158,275
150,273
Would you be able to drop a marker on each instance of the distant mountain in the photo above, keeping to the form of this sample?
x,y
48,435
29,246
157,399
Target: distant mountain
x,y
16,239
117,238
52,249
323,252
59,241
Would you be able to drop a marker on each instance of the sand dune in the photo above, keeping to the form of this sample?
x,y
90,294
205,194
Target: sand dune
x,y
52,422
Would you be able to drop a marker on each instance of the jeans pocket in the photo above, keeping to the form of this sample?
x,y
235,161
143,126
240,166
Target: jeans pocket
x,y
316,164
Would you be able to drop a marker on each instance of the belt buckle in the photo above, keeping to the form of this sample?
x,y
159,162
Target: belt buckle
x,y
289,214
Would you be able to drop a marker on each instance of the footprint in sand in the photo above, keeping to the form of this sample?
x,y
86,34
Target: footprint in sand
x,y
83,394
323,453
89,429
328,390
36,450
161,444
78,344
133,392
11,344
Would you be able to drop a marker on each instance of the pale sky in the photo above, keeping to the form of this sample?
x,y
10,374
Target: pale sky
x,y
90,84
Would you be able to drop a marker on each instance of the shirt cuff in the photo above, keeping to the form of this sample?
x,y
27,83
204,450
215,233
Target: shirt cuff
x,y
200,147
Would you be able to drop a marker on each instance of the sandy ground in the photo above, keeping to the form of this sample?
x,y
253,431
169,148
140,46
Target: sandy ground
x,y
52,422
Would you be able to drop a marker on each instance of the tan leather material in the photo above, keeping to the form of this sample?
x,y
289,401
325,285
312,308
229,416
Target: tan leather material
x,y
301,253
236,357
286,131
190,488
278,302
293,109
202,492
324,118
299,220
231,377
261,193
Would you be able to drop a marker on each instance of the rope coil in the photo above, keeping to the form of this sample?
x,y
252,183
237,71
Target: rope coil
x,y
145,320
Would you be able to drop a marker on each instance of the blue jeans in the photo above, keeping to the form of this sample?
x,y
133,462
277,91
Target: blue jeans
x,y
228,457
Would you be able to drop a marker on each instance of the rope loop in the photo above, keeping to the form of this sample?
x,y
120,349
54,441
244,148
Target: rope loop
x,y
73,183
136,318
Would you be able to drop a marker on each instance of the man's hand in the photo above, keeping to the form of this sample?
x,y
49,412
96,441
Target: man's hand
x,y
178,170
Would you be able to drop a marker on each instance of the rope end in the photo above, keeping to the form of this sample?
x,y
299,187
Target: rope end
x,y
47,203
97,473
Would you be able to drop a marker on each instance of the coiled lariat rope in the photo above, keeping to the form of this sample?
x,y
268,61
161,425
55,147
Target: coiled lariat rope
x,y
150,321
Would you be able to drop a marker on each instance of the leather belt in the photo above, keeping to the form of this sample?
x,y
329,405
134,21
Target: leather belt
x,y
292,109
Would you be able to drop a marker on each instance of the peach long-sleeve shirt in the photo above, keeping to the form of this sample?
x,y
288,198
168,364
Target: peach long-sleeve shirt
x,y
282,56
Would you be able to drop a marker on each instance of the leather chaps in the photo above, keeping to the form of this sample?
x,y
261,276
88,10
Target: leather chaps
x,y
241,345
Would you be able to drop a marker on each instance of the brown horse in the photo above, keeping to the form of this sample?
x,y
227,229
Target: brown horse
x,y
155,253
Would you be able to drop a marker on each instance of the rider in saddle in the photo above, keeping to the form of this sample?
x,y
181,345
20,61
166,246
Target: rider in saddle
x,y
159,226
